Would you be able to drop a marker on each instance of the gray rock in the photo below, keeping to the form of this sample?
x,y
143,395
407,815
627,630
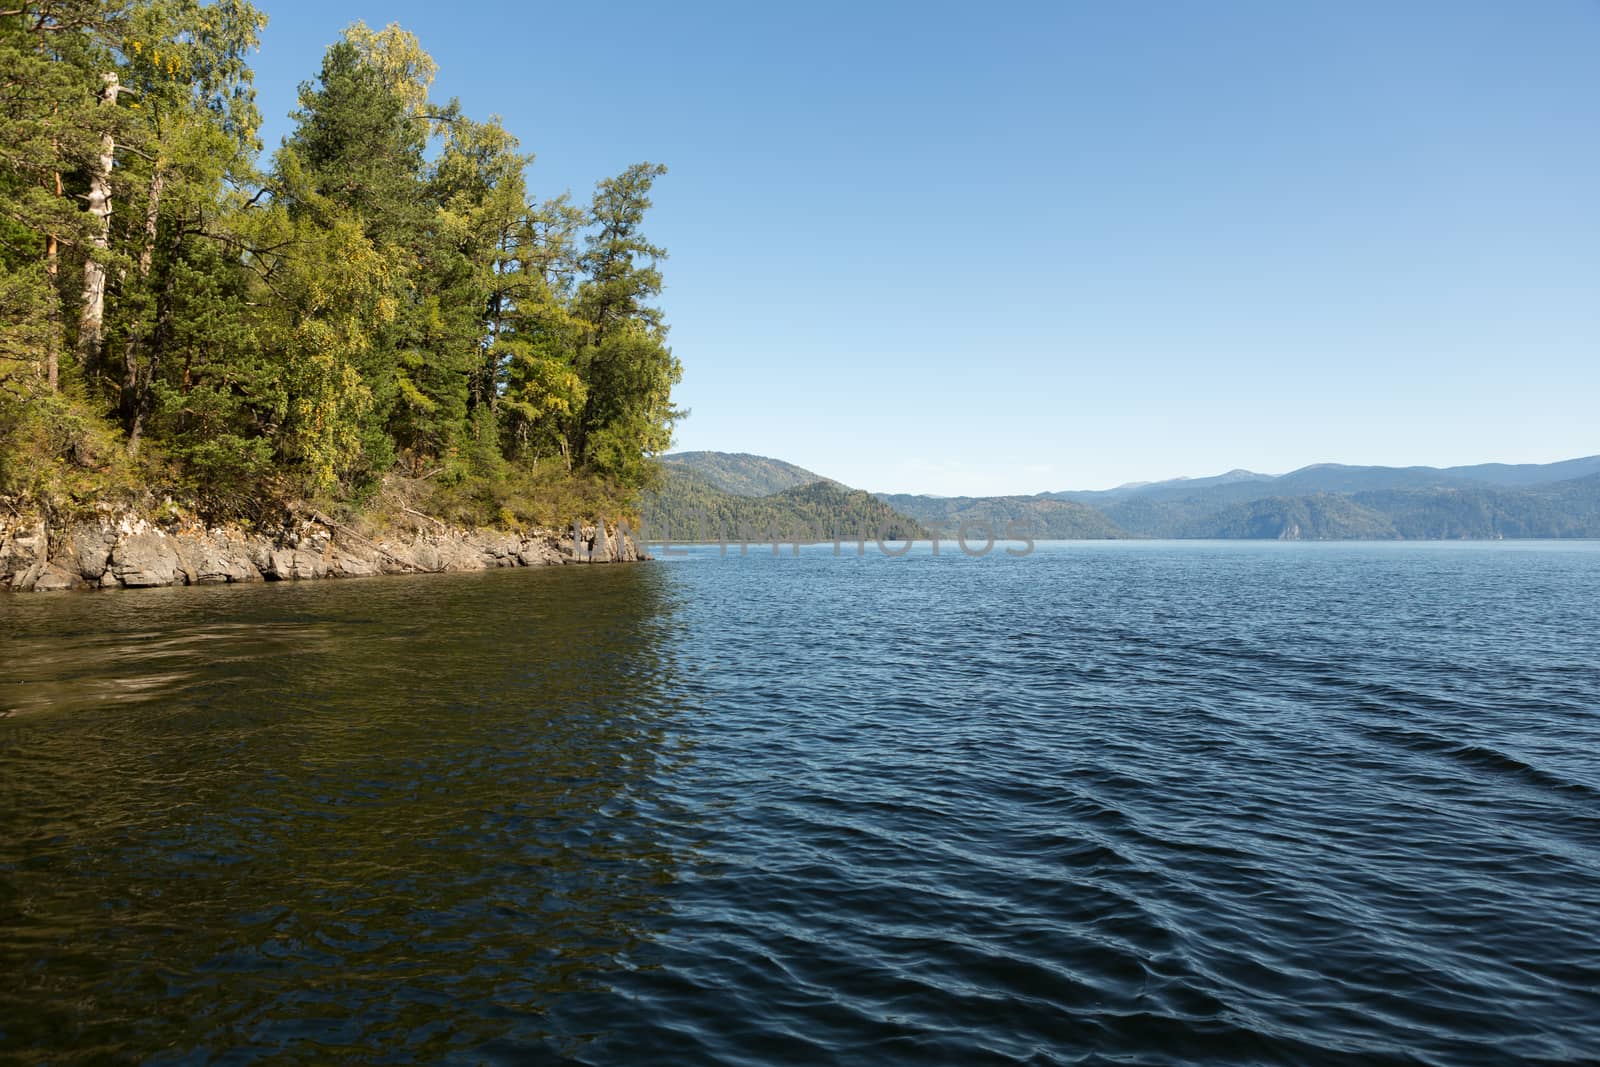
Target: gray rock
x,y
600,545
351,565
146,559
259,552
396,560
139,554
498,549
23,582
457,554
88,549
215,559
22,555
423,556
538,553
286,564
57,579
294,564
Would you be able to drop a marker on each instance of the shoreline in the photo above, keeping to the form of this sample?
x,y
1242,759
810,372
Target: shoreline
x,y
129,551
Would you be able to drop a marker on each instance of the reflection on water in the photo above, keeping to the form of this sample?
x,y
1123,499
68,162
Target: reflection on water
x,y
1155,804
332,819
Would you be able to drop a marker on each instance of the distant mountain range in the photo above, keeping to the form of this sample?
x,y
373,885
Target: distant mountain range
x,y
1326,501
1337,478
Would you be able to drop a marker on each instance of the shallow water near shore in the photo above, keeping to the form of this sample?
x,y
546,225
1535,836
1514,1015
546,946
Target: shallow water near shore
x,y
1120,802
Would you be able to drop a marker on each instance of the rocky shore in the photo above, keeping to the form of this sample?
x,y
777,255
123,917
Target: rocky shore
x,y
130,551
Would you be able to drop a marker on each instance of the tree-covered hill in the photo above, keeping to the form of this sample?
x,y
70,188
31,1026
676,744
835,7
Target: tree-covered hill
x,y
1318,517
1238,486
687,507
1563,509
1032,516
1414,502
741,473
383,293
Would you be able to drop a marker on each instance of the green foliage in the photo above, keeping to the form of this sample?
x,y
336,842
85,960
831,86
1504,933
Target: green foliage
x,y
1033,516
519,498
687,507
742,474
387,297
1564,509
57,450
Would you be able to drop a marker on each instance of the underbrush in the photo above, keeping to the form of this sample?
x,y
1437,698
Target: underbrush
x,y
62,460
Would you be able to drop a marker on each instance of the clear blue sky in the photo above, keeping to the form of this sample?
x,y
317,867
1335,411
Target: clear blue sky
x,y
978,248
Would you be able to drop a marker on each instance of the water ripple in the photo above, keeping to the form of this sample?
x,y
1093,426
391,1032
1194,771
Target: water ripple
x,y
1104,804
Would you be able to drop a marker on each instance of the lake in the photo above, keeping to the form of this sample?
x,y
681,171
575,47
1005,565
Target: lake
x,y
1136,803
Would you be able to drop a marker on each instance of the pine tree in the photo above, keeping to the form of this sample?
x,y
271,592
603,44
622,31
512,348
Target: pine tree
x,y
628,413
195,142
50,59
539,338
368,300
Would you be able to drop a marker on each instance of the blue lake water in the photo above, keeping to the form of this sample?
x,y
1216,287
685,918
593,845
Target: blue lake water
x,y
1131,803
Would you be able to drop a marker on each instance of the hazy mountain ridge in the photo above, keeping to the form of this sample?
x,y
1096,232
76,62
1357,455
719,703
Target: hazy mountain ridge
x,y
1325,501
1240,485
1035,516
1410,503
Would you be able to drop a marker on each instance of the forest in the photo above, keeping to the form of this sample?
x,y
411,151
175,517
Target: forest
x,y
192,318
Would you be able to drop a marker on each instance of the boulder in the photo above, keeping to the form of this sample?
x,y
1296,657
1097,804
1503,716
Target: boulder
x,y
287,564
459,554
146,559
291,564
88,549
498,549
22,582
23,552
349,563
395,559
421,555
214,559
538,552
57,579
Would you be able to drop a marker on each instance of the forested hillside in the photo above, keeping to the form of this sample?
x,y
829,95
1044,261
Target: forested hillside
x,y
688,507
699,495
1451,512
381,293
1032,516
741,473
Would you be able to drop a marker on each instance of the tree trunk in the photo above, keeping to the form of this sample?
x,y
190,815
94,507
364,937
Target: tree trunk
x,y
491,358
52,258
52,359
91,322
131,395
152,214
158,343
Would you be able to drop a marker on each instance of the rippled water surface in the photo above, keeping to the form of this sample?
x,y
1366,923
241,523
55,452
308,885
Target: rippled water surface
x,y
1117,803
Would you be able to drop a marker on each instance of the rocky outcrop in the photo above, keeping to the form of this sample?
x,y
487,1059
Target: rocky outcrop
x,y
132,552
24,552
144,558
88,550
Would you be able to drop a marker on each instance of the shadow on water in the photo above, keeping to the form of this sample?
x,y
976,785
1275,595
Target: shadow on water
x,y
332,821
1156,804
